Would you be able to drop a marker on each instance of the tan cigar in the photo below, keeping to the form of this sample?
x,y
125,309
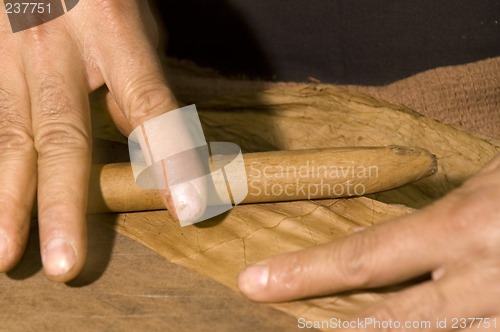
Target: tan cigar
x,y
282,176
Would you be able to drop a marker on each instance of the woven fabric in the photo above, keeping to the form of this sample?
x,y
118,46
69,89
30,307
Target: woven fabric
x,y
467,96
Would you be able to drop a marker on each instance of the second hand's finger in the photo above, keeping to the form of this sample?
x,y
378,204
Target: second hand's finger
x,y
387,254
62,136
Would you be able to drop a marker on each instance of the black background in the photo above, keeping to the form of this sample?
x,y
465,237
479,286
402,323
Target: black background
x,y
338,41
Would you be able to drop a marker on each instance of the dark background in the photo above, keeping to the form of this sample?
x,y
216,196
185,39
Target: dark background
x,y
338,41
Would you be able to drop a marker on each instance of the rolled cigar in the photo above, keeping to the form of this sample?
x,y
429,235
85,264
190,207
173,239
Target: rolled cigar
x,y
282,176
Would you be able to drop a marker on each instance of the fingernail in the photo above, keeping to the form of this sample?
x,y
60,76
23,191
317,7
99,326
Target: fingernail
x,y
4,247
59,257
188,203
254,279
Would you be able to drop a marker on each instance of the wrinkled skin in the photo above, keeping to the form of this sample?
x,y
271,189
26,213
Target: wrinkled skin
x,y
457,240
46,74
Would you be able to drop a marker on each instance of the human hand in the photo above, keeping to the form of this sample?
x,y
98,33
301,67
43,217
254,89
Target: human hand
x,y
457,239
46,74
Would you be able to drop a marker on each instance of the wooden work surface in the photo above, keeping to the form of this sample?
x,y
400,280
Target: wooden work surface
x,y
126,287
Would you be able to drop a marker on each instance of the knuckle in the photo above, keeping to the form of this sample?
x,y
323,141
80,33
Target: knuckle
x,y
354,260
14,138
60,124
55,138
14,134
147,99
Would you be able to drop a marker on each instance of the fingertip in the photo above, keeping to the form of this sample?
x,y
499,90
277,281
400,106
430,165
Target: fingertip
x,y
10,252
61,259
169,203
286,277
4,246
5,261
186,201
189,203
63,248
254,280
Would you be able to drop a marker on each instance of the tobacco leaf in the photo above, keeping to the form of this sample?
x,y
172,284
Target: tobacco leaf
x,y
298,117
222,247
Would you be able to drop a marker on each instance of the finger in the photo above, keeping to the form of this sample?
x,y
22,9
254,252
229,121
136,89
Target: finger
x,y
17,164
387,254
123,125
445,305
130,66
132,72
61,127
